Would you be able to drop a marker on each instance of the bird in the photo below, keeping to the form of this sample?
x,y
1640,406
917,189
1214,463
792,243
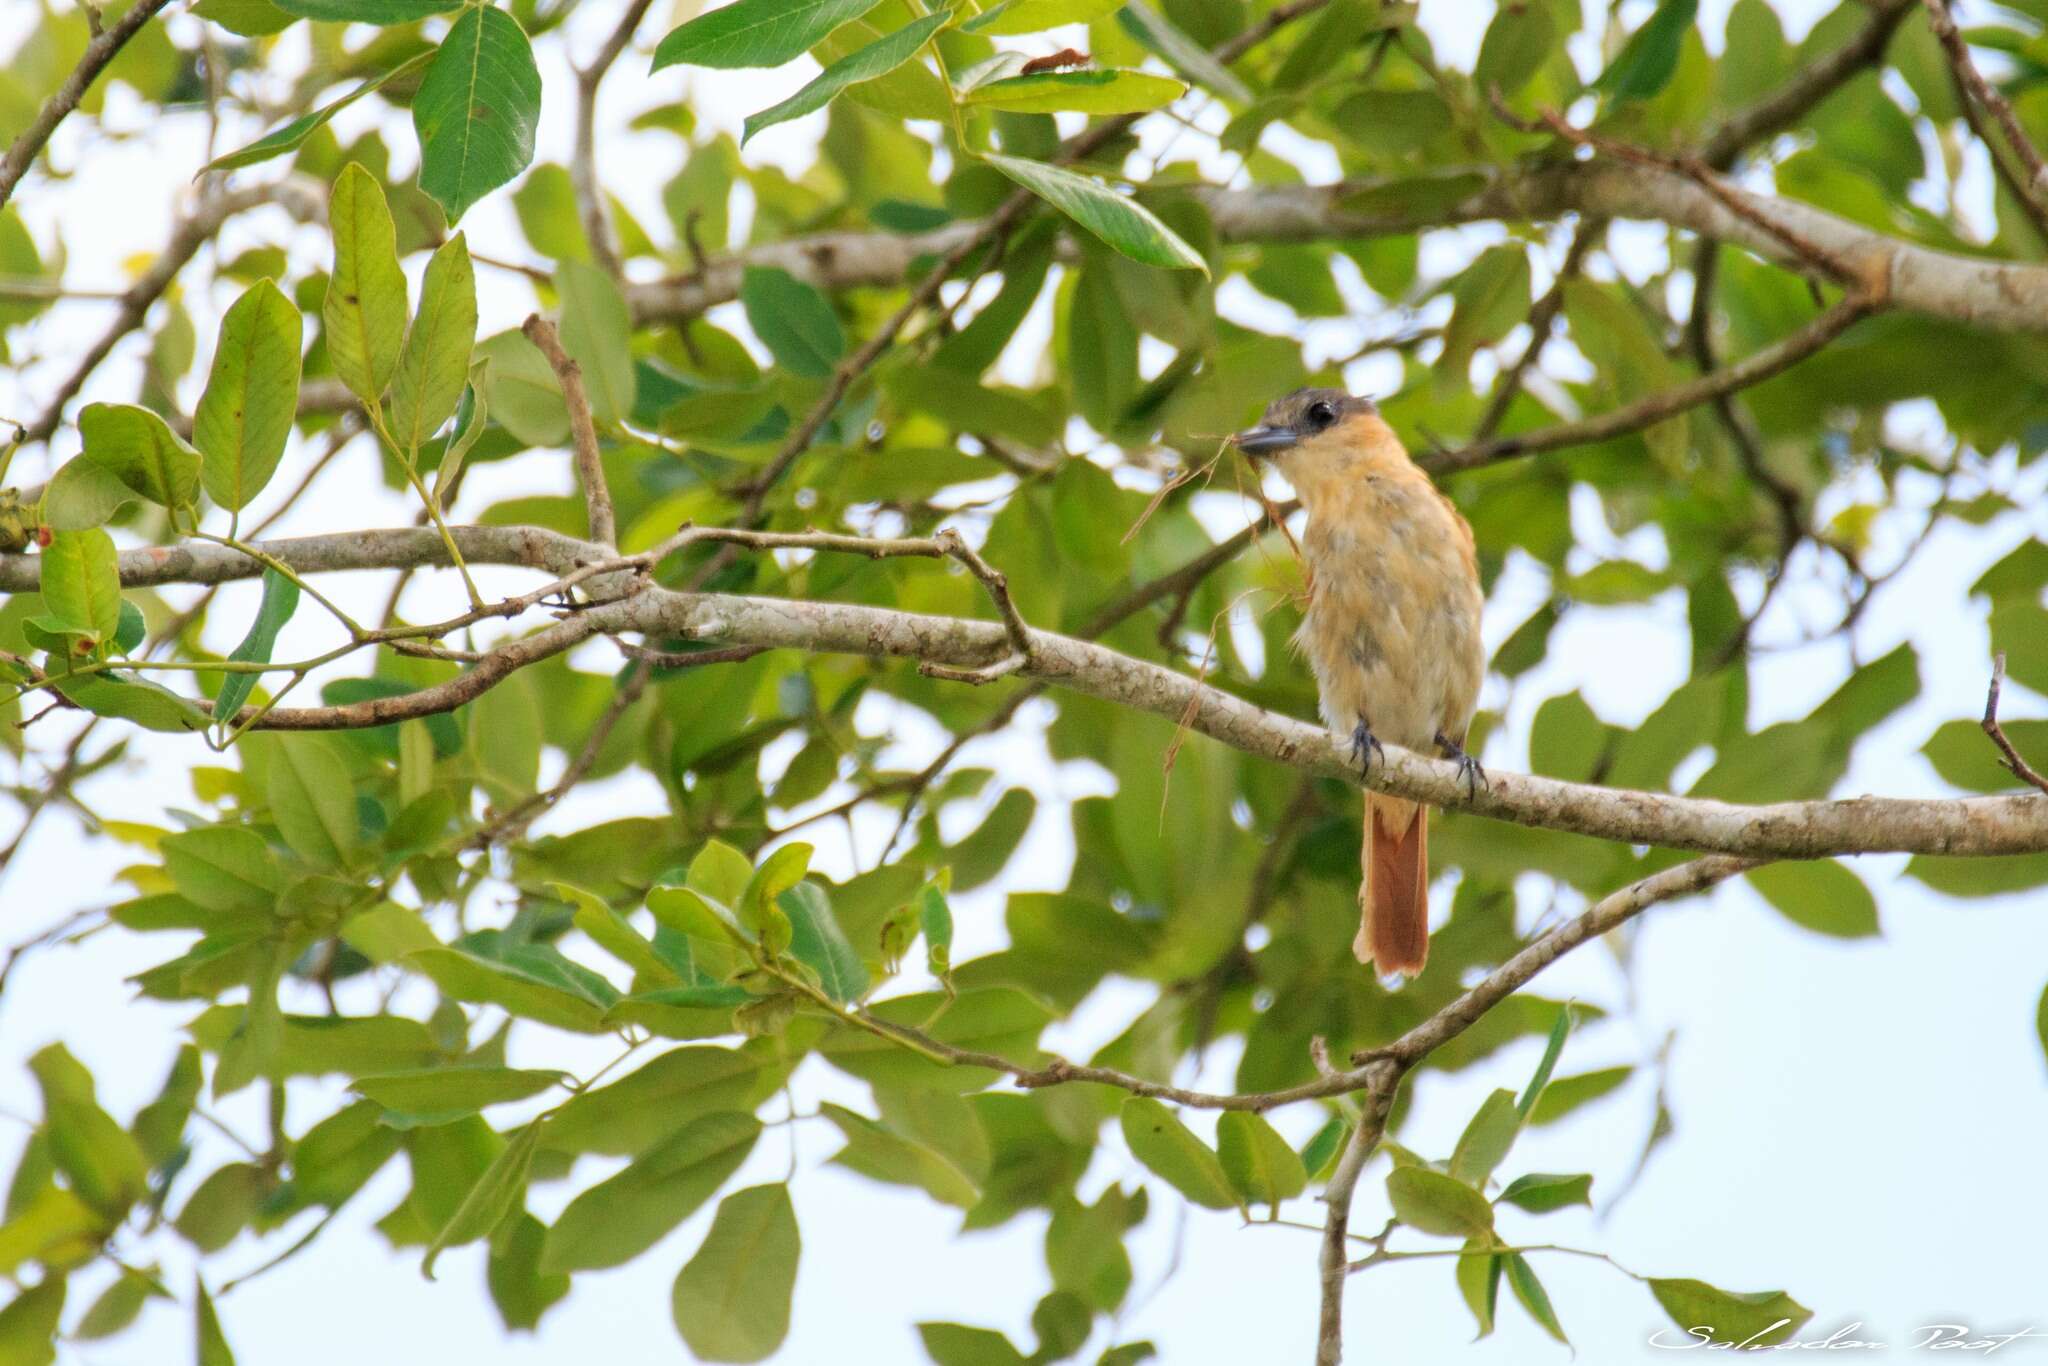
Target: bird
x,y
1391,632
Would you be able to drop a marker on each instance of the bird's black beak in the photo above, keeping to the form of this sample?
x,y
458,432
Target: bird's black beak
x,y
1265,440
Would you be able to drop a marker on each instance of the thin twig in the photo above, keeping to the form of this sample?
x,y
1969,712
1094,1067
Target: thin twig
x,y
2021,769
1541,318
103,48
590,194
1988,95
597,496
1651,409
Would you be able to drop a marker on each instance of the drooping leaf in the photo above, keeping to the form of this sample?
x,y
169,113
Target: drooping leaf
x,y
251,398
313,800
280,601
1645,64
731,1299
755,32
1117,219
876,59
494,1195
1762,1317
793,320
139,448
1171,1151
1822,896
622,1216
597,332
434,366
1257,1159
82,583
476,110
364,312
1091,92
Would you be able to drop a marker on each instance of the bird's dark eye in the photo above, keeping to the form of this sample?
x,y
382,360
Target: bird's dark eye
x,y
1321,414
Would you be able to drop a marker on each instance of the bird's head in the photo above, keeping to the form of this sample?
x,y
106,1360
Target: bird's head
x,y
1318,434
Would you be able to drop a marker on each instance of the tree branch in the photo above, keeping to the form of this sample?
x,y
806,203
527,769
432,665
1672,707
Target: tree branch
x,y
1381,1070
1804,829
1651,409
2021,769
590,195
103,48
582,429
1792,101
2000,108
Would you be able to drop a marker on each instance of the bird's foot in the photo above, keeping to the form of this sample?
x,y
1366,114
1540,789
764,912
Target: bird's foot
x,y
1468,767
1363,746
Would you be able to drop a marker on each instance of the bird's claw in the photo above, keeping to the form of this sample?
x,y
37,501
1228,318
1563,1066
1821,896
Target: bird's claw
x,y
1364,744
1468,767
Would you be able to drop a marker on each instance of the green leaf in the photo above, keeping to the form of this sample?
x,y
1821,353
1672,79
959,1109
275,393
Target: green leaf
x,y
467,977
1522,1280
1542,1192
1567,1094
1644,67
597,332
878,58
997,1020
381,12
1171,1151
1762,1317
313,800
245,18
1257,1160
292,136
29,1323
1323,1146
817,941
935,920
160,1125
884,1155
224,1204
83,493
622,1216
100,1159
731,1300
1553,1048
476,110
1089,92
1959,750
524,392
364,312
755,32
251,397
136,447
1431,1202
82,582
1517,42
960,1344
1034,16
223,868
1117,219
505,738
280,600
434,366
1823,896
1479,1270
632,1114
437,1094
493,1196
1487,1139
126,697
793,320
213,1349
518,1288
1155,31
118,1306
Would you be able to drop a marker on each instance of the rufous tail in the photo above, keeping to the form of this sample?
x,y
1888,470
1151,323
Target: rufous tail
x,y
1393,901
